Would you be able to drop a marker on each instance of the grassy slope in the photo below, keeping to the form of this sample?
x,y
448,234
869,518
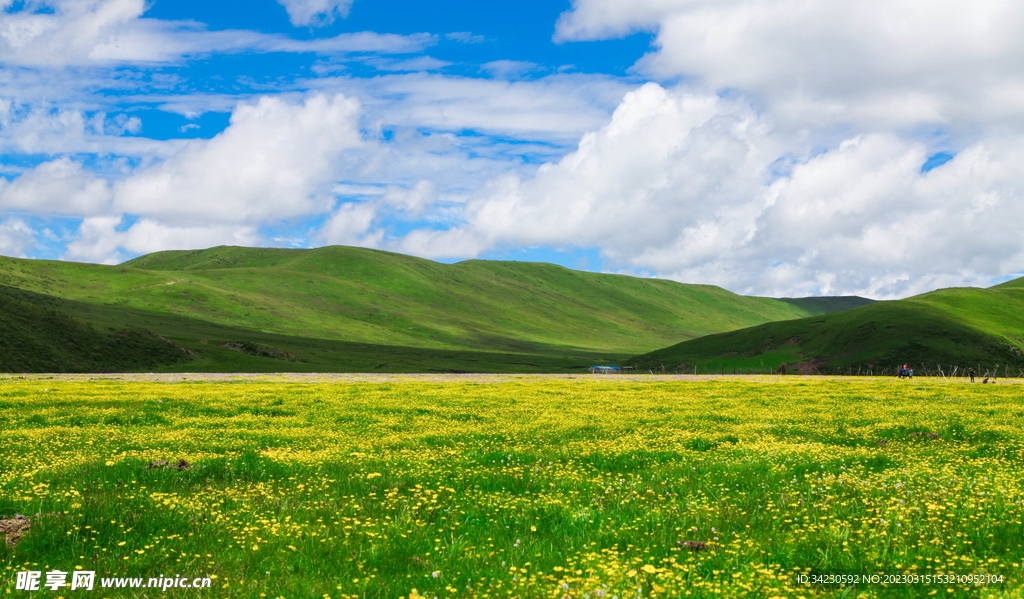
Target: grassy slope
x,y
380,297
40,333
961,326
355,309
827,305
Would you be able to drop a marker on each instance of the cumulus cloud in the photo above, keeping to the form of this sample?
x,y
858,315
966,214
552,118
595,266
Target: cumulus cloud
x,y
99,239
878,62
71,30
865,218
351,224
16,237
38,129
315,13
662,160
789,161
356,222
60,186
413,200
683,184
275,160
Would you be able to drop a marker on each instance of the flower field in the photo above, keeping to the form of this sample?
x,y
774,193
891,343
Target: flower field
x,y
517,486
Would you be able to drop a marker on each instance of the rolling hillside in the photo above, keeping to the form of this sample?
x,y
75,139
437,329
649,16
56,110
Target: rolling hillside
x,y
938,330
341,308
39,334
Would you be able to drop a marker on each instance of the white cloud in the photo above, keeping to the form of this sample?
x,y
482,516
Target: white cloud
x,y
413,200
88,32
663,159
363,41
275,160
73,31
457,132
192,106
149,235
509,69
420,63
465,37
60,186
315,13
557,108
47,131
281,158
99,240
455,243
350,224
353,223
789,162
603,19
681,184
38,129
348,189
891,63
867,216
16,237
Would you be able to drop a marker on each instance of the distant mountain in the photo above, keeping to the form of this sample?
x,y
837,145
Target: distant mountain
x,y
354,309
933,332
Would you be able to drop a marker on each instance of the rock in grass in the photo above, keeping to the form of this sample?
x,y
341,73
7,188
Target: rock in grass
x,y
693,545
14,528
179,465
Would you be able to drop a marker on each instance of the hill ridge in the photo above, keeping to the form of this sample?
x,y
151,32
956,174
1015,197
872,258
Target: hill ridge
x,y
935,331
336,296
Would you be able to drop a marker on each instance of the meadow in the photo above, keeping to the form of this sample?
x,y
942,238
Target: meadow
x,y
348,486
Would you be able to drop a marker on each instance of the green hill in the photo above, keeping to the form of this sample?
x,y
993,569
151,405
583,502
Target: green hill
x,y
344,309
38,334
934,331
827,305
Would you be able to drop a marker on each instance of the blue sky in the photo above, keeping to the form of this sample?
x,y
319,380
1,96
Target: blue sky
x,y
772,147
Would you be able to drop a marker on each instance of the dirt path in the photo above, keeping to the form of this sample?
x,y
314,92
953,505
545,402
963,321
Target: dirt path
x,y
333,377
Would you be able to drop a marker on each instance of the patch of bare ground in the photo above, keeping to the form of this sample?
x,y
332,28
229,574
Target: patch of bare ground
x,y
14,528
370,377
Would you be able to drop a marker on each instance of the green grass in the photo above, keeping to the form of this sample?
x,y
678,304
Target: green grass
x,y
827,305
343,309
38,334
517,486
983,328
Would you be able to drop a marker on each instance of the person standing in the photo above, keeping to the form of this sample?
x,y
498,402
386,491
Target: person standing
x,y
971,373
